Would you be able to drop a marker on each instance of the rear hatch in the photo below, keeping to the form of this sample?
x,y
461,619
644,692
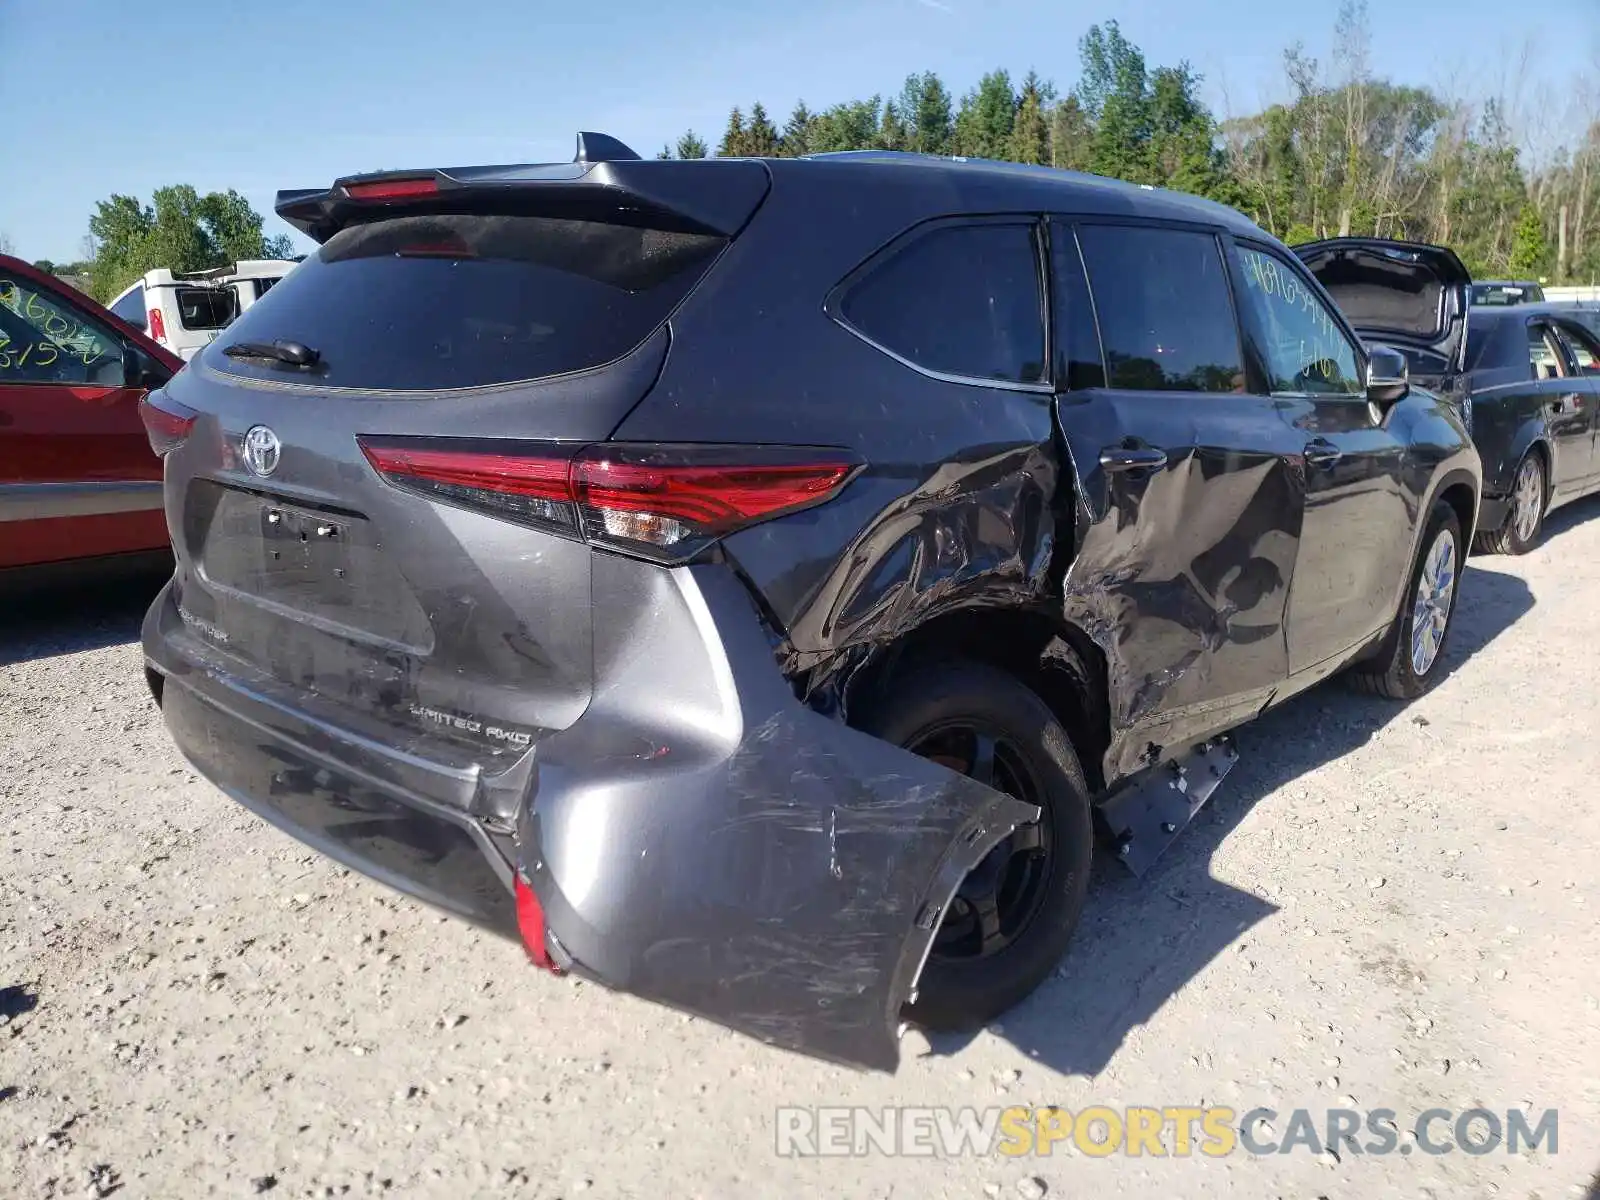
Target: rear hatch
x,y
474,309
1409,295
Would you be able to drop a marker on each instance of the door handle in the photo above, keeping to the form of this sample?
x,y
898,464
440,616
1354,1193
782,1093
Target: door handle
x,y
1132,458
1322,453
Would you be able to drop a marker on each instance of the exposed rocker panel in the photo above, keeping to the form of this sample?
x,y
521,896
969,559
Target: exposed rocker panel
x,y
49,501
1146,818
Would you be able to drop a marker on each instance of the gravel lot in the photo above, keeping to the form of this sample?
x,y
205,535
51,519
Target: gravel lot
x,y
1385,906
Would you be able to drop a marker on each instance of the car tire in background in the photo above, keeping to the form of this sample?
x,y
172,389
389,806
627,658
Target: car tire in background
x,y
1014,914
1524,521
1408,664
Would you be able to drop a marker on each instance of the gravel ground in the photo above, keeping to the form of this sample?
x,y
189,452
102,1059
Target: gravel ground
x,y
1384,906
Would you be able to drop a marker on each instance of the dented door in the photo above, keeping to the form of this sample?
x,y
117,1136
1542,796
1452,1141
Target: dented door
x,y
1191,496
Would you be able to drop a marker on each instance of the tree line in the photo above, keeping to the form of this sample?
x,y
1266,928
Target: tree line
x,y
1346,153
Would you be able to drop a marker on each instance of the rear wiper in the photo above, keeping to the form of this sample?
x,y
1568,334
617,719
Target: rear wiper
x,y
294,353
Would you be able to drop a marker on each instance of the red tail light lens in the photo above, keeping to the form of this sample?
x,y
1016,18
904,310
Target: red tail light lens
x,y
392,189
665,502
166,422
158,325
530,924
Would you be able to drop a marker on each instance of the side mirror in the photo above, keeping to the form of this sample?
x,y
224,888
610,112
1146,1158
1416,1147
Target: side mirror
x,y
140,371
1388,376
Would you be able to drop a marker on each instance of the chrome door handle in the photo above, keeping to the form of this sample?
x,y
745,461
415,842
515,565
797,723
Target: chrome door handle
x,y
1132,458
1321,453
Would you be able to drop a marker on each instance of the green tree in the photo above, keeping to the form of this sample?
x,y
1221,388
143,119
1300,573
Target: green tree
x,y
735,139
692,145
892,131
180,230
924,104
795,140
761,138
1530,250
1030,132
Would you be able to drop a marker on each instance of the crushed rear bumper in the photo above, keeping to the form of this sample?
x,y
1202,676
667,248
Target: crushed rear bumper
x,y
698,838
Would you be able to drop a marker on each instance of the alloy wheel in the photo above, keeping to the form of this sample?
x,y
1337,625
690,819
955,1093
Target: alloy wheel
x,y
1430,609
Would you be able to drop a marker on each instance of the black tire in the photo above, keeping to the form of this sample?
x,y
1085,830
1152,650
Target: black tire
x,y
1509,538
1392,672
963,993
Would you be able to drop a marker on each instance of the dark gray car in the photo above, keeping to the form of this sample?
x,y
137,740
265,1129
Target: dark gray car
x,y
756,584
1523,374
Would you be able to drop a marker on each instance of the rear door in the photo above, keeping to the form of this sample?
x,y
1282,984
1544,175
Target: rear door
x,y
1568,403
1191,505
77,476
1583,353
1356,540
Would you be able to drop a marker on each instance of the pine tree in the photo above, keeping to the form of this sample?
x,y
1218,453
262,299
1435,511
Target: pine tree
x,y
796,137
924,106
761,139
735,141
892,132
1030,136
995,115
1529,249
690,145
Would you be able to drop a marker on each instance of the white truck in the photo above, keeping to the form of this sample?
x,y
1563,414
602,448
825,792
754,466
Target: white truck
x,y
186,311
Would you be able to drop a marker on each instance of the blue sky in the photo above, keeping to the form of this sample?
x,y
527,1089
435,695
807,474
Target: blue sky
x,y
103,96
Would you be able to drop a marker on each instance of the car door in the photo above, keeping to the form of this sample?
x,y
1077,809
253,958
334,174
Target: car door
x,y
1355,541
77,476
1582,349
1190,505
1564,398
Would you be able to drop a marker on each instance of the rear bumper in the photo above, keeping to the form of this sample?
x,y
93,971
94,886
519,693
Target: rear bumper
x,y
698,838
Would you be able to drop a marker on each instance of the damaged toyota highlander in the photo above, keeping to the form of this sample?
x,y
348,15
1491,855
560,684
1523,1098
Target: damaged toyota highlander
x,y
758,586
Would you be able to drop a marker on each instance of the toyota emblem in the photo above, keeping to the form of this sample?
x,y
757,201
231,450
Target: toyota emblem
x,y
261,450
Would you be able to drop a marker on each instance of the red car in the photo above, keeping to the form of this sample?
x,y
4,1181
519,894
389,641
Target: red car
x,y
79,484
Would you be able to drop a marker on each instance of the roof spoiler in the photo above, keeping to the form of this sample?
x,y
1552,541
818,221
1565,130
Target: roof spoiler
x,y
605,177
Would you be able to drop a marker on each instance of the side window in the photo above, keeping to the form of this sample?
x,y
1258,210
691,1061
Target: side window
x,y
43,339
1303,350
961,300
263,285
205,307
1546,360
1077,342
1581,348
1166,317
131,308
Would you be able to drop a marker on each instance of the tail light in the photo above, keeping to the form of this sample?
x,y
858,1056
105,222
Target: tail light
x,y
166,422
158,326
530,924
393,189
662,502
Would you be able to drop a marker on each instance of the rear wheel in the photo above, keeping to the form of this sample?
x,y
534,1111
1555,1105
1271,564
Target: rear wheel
x,y
1409,661
1525,521
1014,913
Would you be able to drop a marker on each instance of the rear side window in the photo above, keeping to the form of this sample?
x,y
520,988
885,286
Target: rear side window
x,y
131,308
1166,316
455,301
263,285
204,308
962,300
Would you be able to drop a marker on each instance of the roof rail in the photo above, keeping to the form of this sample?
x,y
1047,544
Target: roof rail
x,y
600,147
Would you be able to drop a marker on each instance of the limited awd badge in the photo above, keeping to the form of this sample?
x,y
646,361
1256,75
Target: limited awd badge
x,y
261,450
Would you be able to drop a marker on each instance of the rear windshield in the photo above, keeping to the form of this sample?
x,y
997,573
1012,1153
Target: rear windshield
x,y
205,308
453,301
1507,293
